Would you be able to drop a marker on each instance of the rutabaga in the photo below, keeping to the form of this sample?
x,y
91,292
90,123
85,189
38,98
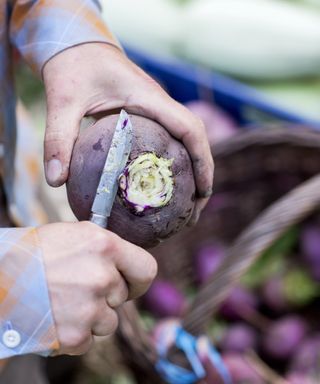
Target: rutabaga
x,y
156,194
257,39
150,25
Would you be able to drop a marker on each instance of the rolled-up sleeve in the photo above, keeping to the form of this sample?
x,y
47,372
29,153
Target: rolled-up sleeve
x,y
41,29
26,321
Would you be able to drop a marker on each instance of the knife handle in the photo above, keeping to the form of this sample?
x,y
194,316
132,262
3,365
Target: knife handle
x,y
100,220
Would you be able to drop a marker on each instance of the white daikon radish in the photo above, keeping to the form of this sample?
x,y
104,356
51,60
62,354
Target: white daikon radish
x,y
266,39
150,25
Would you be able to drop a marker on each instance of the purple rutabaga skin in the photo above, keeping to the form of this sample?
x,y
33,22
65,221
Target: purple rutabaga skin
x,y
164,299
239,338
284,337
310,244
239,300
154,224
207,259
219,125
240,370
300,378
306,358
315,271
273,294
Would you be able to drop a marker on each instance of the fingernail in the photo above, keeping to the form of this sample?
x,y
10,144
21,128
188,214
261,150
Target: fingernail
x,y
54,170
206,194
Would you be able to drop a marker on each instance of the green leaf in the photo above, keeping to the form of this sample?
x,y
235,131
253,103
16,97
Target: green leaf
x,y
284,244
272,260
300,288
217,329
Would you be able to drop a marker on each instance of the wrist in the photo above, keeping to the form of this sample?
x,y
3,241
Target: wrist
x,y
76,54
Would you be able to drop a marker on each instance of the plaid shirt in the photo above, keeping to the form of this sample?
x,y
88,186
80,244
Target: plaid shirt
x,y
39,29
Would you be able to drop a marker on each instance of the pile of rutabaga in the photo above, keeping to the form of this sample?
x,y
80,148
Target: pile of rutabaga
x,y
266,41
267,330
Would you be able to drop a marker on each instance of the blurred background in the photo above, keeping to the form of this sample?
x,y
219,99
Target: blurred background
x,y
242,66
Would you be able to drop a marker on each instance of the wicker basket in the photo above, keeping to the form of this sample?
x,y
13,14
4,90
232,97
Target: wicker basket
x,y
254,170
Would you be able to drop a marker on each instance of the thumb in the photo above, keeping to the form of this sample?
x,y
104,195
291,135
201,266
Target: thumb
x,y
62,130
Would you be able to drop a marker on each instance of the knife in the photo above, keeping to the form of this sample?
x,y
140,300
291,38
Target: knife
x,y
115,163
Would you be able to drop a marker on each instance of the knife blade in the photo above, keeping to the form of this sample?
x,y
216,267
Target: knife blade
x,y
115,163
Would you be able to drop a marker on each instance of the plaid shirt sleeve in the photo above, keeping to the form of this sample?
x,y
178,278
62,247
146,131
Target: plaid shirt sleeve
x,y
41,29
26,322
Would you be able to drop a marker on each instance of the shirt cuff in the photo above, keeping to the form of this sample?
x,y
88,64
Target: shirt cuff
x,y
26,321
43,29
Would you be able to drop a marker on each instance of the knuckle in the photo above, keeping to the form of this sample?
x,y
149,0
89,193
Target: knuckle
x,y
195,123
84,225
88,228
103,283
118,296
150,270
100,241
75,340
200,124
57,143
112,244
54,135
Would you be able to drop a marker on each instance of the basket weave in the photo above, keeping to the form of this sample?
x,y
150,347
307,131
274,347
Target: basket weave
x,y
272,167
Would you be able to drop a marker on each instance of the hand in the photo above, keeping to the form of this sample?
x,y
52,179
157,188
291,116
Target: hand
x,y
96,77
90,272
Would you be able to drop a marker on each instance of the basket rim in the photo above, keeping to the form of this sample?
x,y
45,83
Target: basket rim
x,y
271,135
269,225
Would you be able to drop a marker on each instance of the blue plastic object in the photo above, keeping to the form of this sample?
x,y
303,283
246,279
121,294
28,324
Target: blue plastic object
x,y
186,82
190,345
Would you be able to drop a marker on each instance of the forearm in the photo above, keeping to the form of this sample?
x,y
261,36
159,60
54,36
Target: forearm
x,y
26,322
41,29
